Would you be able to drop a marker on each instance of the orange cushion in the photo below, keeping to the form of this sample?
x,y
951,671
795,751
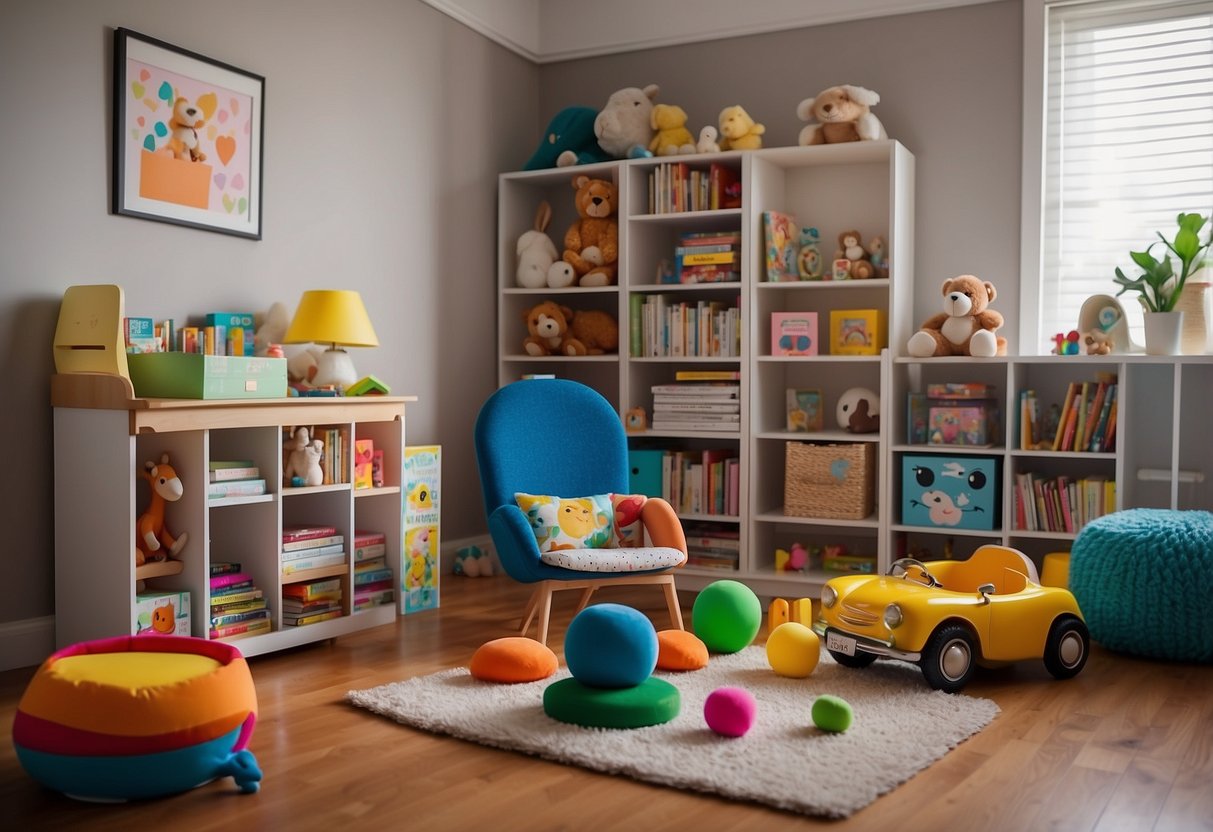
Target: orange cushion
x,y
680,650
513,659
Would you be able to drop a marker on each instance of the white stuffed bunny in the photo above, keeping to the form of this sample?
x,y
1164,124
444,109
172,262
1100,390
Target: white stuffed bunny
x,y
536,251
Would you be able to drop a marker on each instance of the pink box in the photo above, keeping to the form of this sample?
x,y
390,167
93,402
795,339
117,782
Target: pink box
x,y
793,333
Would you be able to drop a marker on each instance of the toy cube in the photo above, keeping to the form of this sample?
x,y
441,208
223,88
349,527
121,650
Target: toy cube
x,y
949,492
857,331
957,423
793,333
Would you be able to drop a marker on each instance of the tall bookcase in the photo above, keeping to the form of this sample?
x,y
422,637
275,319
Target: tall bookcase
x,y
866,186
103,435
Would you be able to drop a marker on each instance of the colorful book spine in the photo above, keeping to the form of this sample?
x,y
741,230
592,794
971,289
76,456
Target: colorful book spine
x,y
370,551
291,567
313,552
235,488
250,472
313,543
312,589
304,620
293,533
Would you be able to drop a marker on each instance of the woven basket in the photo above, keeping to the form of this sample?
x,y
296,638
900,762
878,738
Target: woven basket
x,y
835,482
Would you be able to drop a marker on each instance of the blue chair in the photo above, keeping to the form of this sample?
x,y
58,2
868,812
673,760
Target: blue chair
x,y
561,438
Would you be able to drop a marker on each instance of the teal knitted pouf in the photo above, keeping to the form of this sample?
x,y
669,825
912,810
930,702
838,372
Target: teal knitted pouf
x,y
1143,579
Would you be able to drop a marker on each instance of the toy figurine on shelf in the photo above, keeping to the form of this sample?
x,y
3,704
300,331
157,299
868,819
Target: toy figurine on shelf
x,y
635,420
153,540
1066,344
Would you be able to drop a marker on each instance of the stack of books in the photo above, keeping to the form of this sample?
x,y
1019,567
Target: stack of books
x,y
701,328
708,257
374,583
311,547
675,187
233,478
693,406
712,546
238,608
310,602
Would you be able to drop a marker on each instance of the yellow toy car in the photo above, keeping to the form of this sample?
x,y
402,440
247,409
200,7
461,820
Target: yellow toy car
x,y
949,616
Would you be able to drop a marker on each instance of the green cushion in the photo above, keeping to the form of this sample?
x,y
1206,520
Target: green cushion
x,y
652,702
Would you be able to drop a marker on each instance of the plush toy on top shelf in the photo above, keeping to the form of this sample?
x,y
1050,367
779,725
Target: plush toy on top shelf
x,y
966,326
843,114
708,143
623,127
153,540
738,131
568,140
591,245
673,137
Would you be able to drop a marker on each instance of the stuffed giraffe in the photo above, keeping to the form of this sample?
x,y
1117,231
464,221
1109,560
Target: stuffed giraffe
x,y
152,540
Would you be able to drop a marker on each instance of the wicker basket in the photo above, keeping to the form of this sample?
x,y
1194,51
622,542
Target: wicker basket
x,y
834,482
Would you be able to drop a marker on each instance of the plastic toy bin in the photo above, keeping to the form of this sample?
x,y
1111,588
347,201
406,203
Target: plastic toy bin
x,y
183,375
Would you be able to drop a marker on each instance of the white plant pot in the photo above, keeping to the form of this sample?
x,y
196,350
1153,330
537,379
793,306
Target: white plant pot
x,y
1163,330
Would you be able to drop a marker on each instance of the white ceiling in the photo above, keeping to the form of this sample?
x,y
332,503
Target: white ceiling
x,y
544,31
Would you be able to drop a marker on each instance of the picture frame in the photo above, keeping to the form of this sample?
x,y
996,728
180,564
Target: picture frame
x,y
187,137
857,331
793,333
806,410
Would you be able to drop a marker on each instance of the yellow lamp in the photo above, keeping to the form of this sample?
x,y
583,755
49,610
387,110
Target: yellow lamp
x,y
335,317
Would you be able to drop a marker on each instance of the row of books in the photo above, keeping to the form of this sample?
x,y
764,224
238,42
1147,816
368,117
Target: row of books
x,y
701,482
702,328
691,406
307,547
1087,421
238,608
675,187
373,583
225,333
712,546
234,478
310,602
1061,504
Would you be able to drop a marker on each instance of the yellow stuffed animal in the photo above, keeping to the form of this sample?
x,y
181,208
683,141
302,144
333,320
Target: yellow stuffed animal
x,y
738,131
673,138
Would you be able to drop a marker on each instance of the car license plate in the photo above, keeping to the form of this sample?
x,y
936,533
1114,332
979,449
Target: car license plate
x,y
840,644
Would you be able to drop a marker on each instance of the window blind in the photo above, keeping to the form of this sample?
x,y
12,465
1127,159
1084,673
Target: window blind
x,y
1128,143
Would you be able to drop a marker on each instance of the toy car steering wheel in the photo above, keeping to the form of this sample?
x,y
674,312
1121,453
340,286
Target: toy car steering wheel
x,y
902,563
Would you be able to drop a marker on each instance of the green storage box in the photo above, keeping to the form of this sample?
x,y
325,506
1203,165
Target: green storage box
x,y
183,375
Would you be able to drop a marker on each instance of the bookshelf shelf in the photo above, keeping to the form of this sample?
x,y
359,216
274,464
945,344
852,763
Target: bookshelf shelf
x,y
103,434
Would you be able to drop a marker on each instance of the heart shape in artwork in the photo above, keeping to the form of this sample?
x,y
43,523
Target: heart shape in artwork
x,y
138,89
149,142
220,180
151,105
211,131
238,181
165,93
161,129
144,75
227,203
241,204
839,468
222,116
141,121
208,103
225,146
234,106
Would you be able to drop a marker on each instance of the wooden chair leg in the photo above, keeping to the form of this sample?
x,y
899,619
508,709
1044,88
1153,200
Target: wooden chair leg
x,y
585,598
545,612
532,605
671,601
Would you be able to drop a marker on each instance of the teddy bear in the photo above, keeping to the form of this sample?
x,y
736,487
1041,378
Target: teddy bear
x,y
707,140
843,114
568,140
851,250
183,124
546,325
591,245
967,326
738,131
1098,342
303,456
591,332
623,126
673,137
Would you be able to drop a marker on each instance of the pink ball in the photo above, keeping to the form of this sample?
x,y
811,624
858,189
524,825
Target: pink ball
x,y
730,711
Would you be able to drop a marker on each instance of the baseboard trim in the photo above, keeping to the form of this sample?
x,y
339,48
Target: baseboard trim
x,y
26,643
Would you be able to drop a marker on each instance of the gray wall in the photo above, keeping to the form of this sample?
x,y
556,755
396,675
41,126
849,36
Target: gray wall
x,y
950,84
386,124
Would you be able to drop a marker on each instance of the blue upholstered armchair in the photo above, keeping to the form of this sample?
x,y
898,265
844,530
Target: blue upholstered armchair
x,y
561,438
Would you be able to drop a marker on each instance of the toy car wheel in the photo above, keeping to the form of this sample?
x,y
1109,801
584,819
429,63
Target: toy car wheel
x,y
949,658
1067,647
860,660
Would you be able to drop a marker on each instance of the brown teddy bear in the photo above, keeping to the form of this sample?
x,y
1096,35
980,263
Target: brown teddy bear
x,y
591,332
547,323
850,249
966,326
843,114
591,245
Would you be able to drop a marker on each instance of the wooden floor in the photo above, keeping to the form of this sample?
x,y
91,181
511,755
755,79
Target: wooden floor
x,y
1127,745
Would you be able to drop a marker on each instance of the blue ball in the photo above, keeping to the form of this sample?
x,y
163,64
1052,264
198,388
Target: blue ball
x,y
610,646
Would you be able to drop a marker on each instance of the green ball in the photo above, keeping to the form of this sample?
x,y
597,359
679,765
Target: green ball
x,y
832,713
726,616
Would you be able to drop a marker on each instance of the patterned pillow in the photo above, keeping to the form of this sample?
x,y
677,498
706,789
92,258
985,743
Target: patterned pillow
x,y
568,522
627,532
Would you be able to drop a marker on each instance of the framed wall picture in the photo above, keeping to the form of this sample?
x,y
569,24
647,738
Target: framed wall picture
x,y
187,137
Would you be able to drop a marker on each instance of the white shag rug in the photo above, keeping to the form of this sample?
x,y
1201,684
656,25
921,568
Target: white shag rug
x,y
901,726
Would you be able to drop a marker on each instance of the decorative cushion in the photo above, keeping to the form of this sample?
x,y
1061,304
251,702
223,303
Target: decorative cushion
x,y
680,650
568,522
614,560
513,659
652,702
627,528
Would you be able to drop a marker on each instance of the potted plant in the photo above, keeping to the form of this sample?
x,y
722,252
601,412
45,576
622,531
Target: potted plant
x,y
1159,286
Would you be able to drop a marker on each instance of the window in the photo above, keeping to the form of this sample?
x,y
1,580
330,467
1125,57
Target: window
x,y
1127,126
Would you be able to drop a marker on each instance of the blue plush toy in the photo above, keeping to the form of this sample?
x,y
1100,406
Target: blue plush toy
x,y
568,140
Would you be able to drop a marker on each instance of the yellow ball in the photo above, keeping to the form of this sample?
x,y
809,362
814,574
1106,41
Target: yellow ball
x,y
793,650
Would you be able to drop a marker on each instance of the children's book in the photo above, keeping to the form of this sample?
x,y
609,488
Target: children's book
x,y
781,237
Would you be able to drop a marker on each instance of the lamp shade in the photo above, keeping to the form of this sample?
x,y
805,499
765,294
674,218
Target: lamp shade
x,y
331,316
